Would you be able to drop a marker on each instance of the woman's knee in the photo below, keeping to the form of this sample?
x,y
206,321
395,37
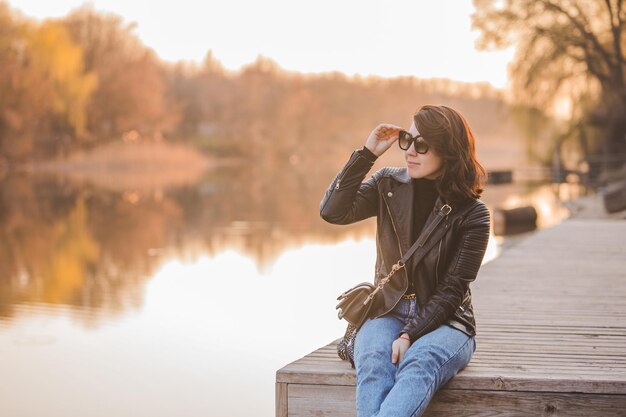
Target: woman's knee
x,y
370,354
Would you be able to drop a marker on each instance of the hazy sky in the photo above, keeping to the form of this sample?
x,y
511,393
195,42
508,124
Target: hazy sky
x,y
424,38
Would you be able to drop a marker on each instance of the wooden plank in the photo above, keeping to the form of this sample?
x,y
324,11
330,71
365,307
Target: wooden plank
x,y
495,378
502,403
497,357
316,400
321,400
606,365
539,381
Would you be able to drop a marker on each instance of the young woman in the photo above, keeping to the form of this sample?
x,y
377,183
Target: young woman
x,y
421,327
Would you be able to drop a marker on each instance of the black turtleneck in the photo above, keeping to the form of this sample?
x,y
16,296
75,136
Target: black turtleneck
x,y
424,194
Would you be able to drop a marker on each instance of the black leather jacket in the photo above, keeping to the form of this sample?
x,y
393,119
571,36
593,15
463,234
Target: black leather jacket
x,y
445,272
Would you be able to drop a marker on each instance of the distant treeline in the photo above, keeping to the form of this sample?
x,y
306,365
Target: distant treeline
x,y
86,79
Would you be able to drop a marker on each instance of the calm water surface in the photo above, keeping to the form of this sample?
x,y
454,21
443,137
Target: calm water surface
x,y
140,296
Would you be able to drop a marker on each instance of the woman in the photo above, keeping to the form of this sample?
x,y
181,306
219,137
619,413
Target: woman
x,y
421,327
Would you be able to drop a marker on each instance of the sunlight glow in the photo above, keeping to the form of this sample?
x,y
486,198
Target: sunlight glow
x,y
493,248
425,39
303,280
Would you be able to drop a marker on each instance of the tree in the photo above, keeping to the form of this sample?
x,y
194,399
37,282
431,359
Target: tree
x,y
131,90
55,54
570,49
43,88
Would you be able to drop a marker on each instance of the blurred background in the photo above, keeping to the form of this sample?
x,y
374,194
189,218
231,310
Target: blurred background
x,y
162,164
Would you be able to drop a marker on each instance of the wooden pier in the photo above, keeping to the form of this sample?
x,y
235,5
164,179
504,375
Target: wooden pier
x,y
551,315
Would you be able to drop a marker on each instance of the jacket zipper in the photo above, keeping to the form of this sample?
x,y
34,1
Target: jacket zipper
x,y
437,266
345,171
399,247
394,227
465,298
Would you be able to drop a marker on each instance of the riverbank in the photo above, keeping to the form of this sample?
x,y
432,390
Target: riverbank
x,y
123,165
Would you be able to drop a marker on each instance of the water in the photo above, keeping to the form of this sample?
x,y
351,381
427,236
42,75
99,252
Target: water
x,y
176,296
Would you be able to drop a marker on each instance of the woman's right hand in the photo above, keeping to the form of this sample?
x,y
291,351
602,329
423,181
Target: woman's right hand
x,y
382,137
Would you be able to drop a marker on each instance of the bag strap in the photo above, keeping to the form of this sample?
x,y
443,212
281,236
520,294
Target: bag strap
x,y
418,249
441,214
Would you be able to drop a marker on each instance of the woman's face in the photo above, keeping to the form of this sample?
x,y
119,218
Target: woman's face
x,y
427,165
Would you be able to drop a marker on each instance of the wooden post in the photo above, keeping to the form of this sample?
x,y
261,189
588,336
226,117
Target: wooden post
x,y
513,221
615,198
281,399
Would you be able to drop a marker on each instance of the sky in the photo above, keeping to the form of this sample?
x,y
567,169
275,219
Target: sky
x,y
422,38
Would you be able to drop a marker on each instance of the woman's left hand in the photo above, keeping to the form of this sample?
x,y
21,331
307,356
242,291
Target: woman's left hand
x,y
398,349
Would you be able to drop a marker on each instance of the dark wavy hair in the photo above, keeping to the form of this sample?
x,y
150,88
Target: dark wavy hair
x,y
449,134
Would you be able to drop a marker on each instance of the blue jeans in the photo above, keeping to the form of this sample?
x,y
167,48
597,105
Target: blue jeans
x,y
385,389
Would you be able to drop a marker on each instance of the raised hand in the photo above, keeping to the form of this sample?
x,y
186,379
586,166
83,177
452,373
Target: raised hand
x,y
382,137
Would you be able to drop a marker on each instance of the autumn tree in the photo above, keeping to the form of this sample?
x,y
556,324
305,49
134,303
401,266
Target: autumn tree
x,y
13,100
55,54
201,94
131,92
569,50
43,88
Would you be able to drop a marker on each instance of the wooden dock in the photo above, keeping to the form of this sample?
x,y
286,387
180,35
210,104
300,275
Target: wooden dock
x,y
551,315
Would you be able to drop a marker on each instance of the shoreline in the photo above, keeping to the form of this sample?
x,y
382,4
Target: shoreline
x,y
122,158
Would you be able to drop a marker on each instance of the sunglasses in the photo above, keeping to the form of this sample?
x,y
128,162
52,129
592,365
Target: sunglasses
x,y
405,140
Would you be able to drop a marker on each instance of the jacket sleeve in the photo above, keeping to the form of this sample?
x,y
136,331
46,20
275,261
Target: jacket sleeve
x,y
349,199
463,268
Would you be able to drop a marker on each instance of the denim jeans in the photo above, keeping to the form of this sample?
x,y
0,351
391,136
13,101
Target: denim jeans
x,y
385,389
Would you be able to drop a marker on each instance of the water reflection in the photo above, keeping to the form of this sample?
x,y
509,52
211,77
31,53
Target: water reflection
x,y
176,300
71,243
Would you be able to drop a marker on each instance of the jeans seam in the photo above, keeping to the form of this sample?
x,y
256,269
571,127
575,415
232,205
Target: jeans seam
x,y
437,375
